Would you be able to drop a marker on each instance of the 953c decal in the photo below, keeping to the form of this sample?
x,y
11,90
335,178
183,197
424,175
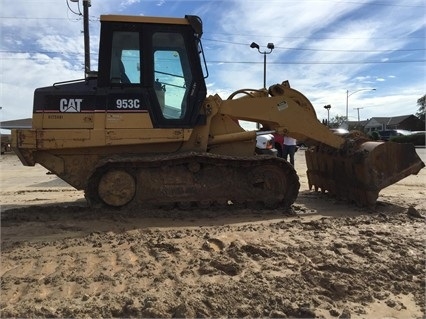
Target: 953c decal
x,y
128,104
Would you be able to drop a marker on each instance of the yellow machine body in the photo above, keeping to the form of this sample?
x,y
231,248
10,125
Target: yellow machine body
x,y
144,132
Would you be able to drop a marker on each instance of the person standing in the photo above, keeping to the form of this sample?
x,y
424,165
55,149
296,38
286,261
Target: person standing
x,y
289,148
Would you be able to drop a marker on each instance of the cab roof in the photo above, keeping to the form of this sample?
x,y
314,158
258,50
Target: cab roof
x,y
143,19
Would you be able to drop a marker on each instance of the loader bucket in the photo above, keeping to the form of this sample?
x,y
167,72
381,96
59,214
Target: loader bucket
x,y
359,174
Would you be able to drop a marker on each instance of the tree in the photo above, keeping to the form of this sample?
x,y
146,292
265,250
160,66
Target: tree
x,y
337,121
421,112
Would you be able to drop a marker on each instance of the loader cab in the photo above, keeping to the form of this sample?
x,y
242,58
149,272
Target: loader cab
x,y
152,65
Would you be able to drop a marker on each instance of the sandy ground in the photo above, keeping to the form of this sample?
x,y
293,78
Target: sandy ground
x,y
327,260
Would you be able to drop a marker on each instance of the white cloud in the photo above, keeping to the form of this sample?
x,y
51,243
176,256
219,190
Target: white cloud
x,y
127,3
27,73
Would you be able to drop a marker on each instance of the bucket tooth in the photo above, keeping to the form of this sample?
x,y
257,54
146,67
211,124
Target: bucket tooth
x,y
359,174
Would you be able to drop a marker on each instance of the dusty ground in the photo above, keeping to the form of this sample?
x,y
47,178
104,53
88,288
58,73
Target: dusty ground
x,y
328,260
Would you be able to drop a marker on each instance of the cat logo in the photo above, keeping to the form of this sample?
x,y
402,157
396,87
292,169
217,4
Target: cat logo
x,y
70,105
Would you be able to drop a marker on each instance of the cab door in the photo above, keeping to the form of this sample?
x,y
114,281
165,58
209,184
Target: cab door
x,y
175,79
127,99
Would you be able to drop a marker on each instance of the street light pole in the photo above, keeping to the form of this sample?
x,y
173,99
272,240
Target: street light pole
x,y
347,100
264,70
328,107
270,46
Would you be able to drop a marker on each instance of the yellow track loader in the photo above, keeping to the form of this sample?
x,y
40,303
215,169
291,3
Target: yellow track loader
x,y
142,131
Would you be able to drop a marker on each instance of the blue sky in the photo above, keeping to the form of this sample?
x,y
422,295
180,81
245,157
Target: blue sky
x,y
323,47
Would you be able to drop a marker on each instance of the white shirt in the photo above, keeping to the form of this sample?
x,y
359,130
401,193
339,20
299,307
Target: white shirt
x,y
289,140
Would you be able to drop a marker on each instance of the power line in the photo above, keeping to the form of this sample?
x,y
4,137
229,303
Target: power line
x,y
41,52
36,18
245,44
322,62
316,37
256,62
384,4
328,50
78,6
341,50
92,19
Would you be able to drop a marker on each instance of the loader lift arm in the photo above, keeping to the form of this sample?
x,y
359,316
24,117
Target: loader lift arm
x,y
349,167
287,111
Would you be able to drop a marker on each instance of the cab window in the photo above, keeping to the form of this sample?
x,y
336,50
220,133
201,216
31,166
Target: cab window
x,y
125,58
172,74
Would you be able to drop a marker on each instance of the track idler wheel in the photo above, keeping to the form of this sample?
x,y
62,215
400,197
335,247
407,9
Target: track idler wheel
x,y
116,187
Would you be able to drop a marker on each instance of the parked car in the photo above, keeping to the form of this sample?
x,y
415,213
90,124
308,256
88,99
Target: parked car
x,y
386,135
339,131
418,138
404,132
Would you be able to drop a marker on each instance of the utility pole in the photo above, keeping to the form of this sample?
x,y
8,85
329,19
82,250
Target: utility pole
x,y
86,5
358,108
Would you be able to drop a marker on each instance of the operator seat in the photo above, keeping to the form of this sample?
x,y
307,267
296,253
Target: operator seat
x,y
123,76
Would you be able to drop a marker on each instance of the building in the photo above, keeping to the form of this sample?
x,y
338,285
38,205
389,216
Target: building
x,y
16,124
403,122
10,125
